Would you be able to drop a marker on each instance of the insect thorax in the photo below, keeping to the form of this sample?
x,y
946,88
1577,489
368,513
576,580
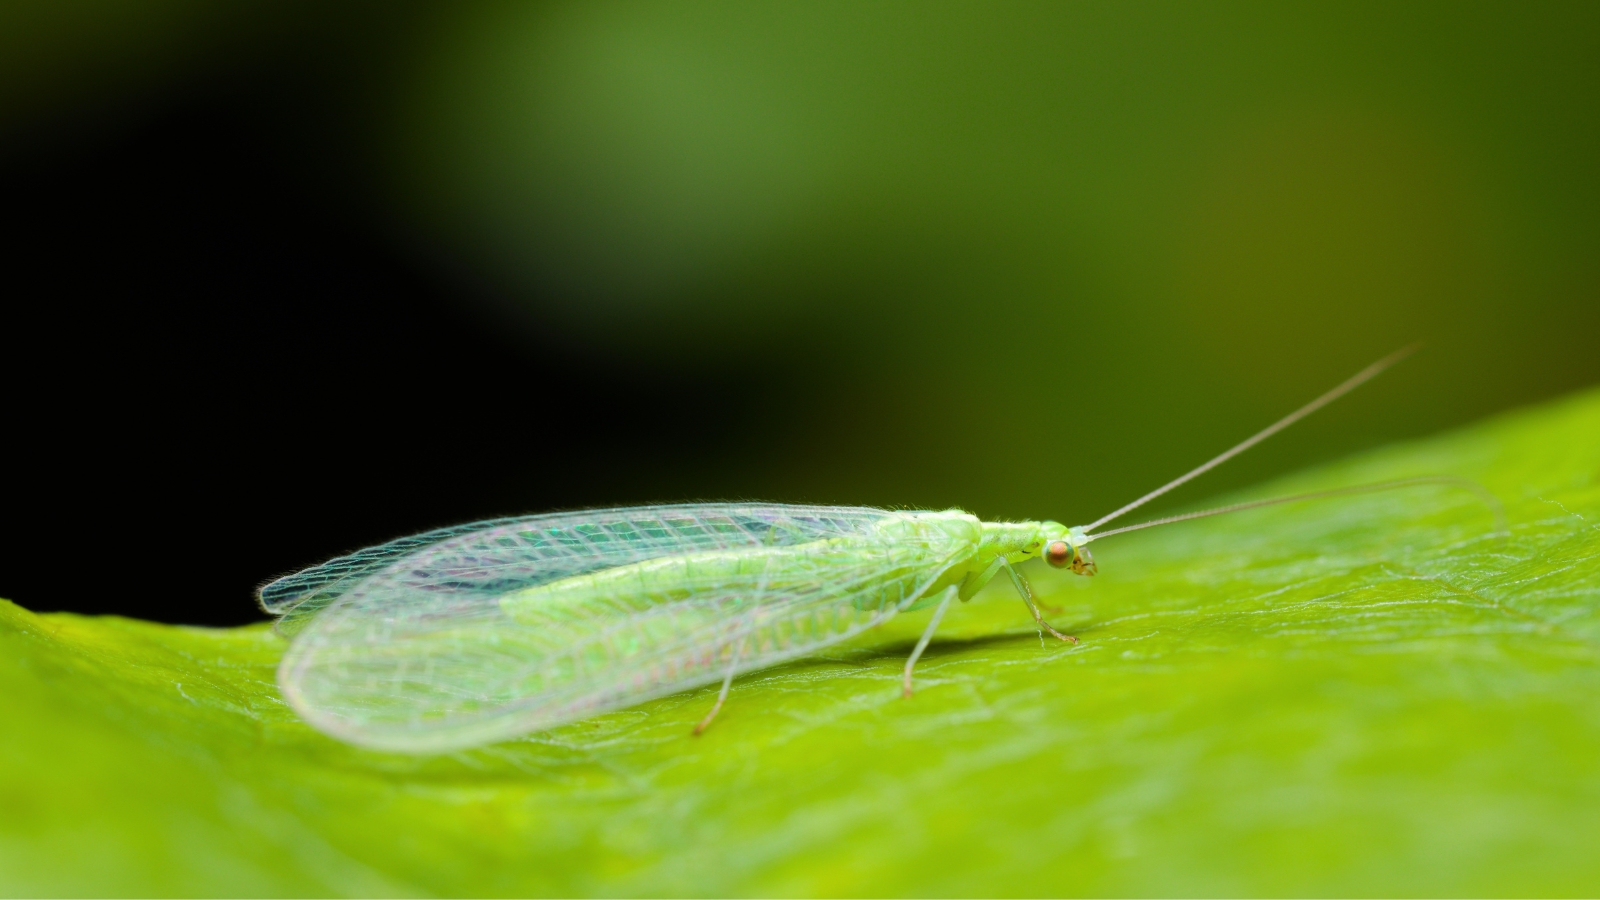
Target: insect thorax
x,y
1016,541
927,526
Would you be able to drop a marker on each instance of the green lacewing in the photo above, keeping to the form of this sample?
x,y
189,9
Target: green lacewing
x,y
482,632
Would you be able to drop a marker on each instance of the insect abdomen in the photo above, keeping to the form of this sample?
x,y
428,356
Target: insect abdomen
x,y
750,573
525,625
685,619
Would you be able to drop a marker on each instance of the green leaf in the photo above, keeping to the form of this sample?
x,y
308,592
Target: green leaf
x,y
1372,694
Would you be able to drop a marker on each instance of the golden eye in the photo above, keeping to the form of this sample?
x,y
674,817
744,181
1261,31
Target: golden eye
x,y
1058,554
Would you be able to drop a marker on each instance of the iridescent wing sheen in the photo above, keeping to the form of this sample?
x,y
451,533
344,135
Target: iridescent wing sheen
x,y
295,598
479,633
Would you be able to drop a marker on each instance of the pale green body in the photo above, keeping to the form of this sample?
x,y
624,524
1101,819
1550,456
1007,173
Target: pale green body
x,y
989,546
486,631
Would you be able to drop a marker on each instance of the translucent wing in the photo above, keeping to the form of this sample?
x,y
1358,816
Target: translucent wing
x,y
474,634
295,598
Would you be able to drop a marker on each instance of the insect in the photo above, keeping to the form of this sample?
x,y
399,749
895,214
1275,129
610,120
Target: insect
x,y
482,632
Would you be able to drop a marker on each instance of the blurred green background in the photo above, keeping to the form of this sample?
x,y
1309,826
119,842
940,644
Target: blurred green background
x,y
832,251
1122,235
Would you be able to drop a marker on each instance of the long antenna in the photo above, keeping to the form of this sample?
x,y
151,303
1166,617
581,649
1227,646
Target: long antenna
x,y
1350,384
1489,499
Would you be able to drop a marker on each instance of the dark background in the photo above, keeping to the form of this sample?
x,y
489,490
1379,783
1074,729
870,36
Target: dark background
x,y
286,281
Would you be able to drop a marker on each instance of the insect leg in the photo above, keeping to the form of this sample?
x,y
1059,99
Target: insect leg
x,y
1026,590
974,582
722,694
927,635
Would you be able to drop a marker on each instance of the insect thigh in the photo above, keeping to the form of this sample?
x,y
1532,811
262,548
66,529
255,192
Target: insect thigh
x,y
474,640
